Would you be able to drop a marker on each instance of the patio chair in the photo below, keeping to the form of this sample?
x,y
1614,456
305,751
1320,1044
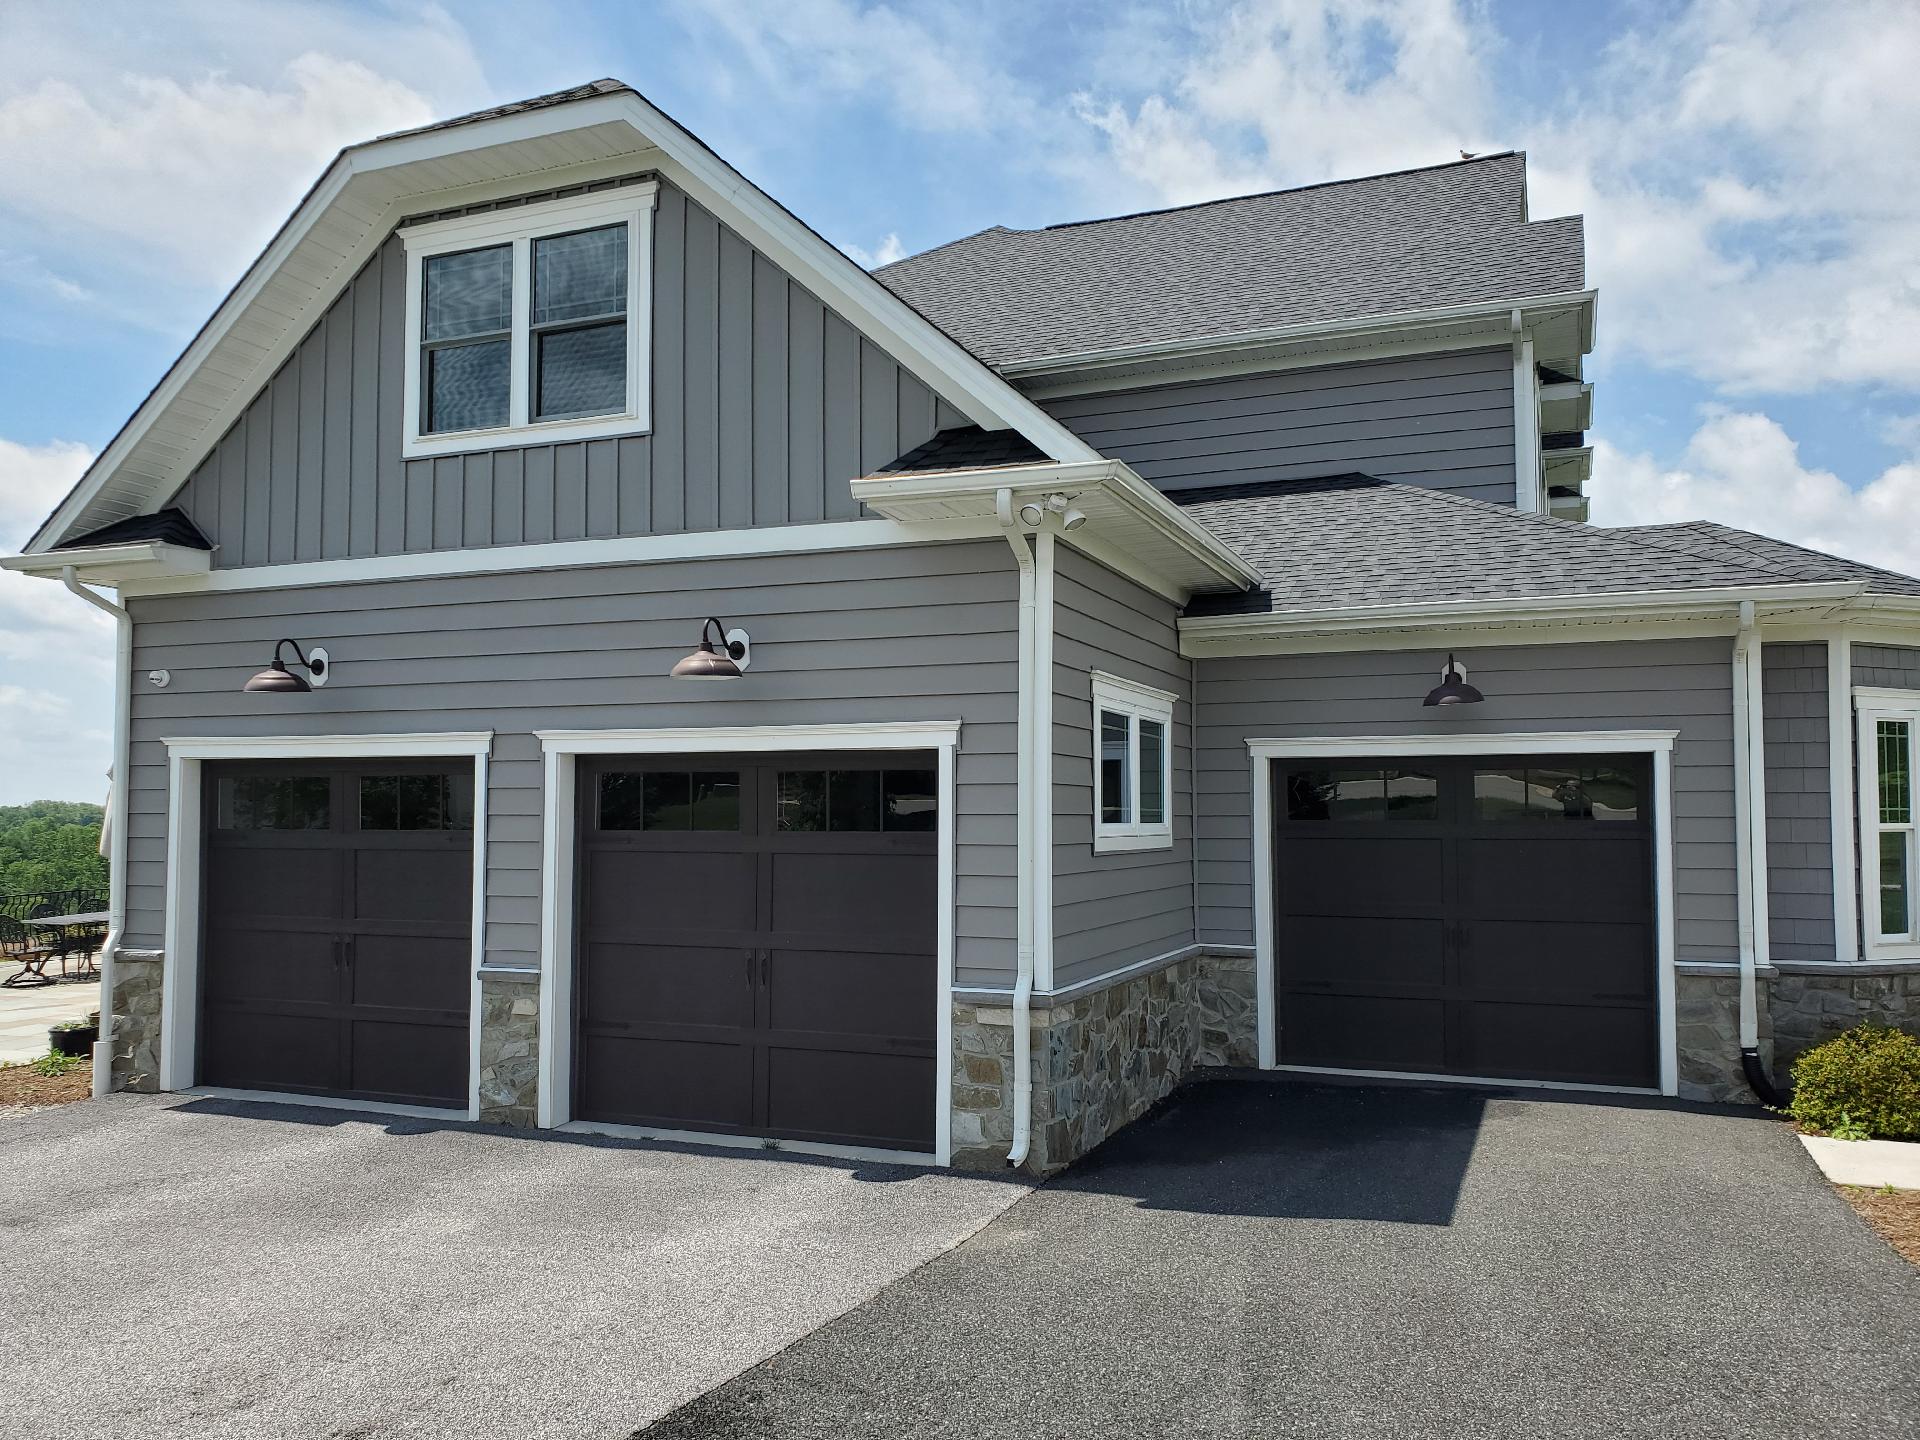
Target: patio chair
x,y
19,944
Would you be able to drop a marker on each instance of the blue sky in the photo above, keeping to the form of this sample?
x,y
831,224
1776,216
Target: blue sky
x,y
1749,176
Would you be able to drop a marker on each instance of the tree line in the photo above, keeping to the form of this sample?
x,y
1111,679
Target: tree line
x,y
50,845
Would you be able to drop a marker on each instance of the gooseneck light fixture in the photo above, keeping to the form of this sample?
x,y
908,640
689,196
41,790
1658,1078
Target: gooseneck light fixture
x,y
1453,688
723,654
277,679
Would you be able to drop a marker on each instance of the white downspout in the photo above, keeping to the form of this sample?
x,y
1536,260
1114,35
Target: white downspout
x,y
1043,572
1023,845
1750,843
116,819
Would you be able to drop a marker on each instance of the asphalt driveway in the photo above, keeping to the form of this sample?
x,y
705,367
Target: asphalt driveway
x,y
1273,1259
192,1268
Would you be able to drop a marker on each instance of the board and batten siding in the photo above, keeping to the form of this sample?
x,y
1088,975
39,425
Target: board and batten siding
x,y
1799,801
765,405
1683,685
905,633
1114,909
1444,421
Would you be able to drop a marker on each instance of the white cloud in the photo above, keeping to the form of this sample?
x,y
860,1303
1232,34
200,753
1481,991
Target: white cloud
x,y
1743,469
185,176
885,253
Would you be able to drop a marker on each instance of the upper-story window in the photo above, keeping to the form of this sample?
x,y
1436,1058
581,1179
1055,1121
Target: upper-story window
x,y
1133,765
529,324
1889,745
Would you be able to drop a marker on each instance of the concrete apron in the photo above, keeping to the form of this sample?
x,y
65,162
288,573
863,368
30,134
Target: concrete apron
x,y
1866,1162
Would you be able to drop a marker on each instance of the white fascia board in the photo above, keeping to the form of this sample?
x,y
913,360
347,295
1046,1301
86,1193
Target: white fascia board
x,y
1498,314
1220,634
113,564
976,491
380,167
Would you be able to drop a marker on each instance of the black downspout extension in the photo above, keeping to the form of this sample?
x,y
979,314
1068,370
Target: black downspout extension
x,y
1759,1080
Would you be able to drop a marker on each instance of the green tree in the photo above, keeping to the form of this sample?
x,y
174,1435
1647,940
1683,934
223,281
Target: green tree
x,y
50,845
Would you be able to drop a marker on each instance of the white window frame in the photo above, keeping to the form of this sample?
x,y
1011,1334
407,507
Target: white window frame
x,y
632,205
1137,702
1873,706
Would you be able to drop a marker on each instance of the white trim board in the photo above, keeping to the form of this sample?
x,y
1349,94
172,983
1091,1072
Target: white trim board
x,y
180,971
1656,743
560,753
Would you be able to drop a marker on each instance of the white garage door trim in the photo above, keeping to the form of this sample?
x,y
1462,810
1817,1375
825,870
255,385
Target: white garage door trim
x,y
180,973
562,749
1656,743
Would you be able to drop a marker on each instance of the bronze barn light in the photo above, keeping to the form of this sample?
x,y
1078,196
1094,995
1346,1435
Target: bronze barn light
x,y
277,679
1453,688
722,654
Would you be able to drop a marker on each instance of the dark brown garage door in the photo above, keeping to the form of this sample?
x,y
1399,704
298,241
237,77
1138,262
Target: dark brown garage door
x,y
756,946
338,930
1485,916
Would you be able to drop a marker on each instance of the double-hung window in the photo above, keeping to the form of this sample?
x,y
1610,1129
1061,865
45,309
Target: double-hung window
x,y
1133,765
529,323
1889,744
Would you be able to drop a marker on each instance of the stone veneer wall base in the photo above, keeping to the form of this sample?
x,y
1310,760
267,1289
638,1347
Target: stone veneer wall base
x,y
135,1030
509,1048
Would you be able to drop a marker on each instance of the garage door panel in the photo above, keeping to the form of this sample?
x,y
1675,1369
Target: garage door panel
x,y
242,966
253,1050
675,1084
409,972
1337,874
1583,1044
1543,958
625,985
408,1062
275,882
879,1100
677,889
878,895
1555,879
1364,952
1363,1032
852,994
420,886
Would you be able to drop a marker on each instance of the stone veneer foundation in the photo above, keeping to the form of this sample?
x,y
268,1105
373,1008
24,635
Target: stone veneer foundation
x,y
509,1048
136,1020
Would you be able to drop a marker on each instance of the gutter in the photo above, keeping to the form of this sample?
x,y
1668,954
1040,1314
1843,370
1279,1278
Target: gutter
x,y
1750,845
122,777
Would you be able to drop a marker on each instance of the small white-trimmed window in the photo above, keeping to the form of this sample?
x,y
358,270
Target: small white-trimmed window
x,y
1889,744
1133,765
529,324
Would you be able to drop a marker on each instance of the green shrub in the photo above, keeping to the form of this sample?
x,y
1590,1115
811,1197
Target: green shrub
x,y
1865,1080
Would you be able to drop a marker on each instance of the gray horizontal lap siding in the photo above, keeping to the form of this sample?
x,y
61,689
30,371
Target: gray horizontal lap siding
x,y
1682,685
765,404
1114,909
885,634
1799,802
1444,421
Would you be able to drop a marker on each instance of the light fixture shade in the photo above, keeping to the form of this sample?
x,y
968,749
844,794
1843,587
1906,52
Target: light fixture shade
x,y
276,679
1453,688
711,661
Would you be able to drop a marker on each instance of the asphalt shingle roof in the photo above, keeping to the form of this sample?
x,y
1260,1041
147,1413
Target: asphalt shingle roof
x,y
1354,540
1449,234
968,447
1762,552
170,525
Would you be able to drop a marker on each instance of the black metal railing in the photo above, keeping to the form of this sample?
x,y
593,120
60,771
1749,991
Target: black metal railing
x,y
22,904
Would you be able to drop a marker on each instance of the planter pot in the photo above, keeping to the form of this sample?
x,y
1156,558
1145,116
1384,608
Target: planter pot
x,y
73,1042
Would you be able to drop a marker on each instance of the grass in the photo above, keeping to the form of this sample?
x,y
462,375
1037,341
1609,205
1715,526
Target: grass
x,y
1895,1214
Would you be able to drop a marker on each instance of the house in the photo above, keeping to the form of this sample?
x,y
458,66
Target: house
x,y
590,654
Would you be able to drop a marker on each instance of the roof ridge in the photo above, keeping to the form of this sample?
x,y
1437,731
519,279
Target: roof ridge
x,y
1284,190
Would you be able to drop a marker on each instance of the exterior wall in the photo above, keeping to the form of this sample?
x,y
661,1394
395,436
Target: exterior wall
x,y
510,1049
1114,909
890,633
1707,1028
1440,420
1683,685
1809,1005
765,404
1888,667
135,1020
1799,802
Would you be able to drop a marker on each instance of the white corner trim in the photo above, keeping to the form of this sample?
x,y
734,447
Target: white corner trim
x,y
577,554
519,227
1529,491
1658,744
560,752
1840,797
185,849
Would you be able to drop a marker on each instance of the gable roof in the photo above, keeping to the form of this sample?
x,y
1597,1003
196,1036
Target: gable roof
x,y
170,526
1352,540
1386,244
594,131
